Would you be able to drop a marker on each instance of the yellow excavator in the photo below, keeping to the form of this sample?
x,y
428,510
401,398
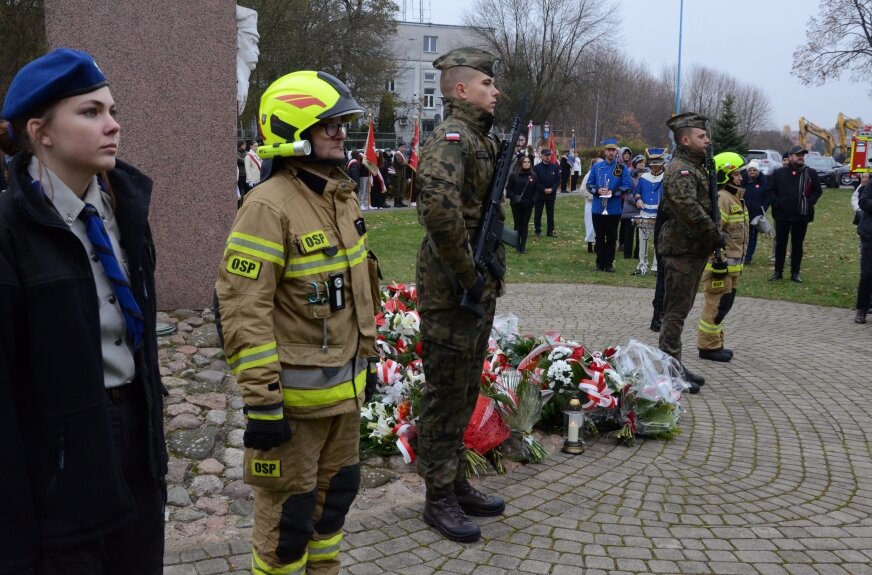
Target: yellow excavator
x,y
806,127
843,124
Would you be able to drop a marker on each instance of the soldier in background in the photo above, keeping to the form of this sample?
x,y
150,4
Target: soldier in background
x,y
456,165
401,176
688,235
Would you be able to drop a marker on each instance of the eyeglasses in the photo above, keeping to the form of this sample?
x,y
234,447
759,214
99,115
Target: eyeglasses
x,y
332,129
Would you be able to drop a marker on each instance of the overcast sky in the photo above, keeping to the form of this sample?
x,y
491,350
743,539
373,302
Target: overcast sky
x,y
752,40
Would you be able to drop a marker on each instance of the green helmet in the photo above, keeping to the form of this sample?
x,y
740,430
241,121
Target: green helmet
x,y
726,163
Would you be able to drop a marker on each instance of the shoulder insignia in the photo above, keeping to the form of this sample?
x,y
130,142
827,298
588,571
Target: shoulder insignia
x,y
735,209
244,267
452,136
314,241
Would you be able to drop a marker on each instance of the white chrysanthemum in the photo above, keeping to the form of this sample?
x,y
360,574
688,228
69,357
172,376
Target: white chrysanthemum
x,y
559,353
559,372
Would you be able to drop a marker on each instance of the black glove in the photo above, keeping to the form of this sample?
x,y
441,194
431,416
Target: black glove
x,y
722,241
477,289
264,434
371,380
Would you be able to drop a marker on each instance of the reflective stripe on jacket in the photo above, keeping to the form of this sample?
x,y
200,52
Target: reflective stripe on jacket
x,y
296,234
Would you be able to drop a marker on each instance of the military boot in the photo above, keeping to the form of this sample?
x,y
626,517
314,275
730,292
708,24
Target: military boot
x,y
444,513
474,502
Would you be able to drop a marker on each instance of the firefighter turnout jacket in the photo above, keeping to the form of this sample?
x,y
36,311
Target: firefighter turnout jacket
x,y
734,226
296,297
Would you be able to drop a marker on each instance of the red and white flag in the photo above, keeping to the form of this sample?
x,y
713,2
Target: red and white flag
x,y
554,159
413,156
530,133
370,157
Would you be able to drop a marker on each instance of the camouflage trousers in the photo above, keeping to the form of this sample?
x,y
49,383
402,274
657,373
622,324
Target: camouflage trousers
x,y
720,294
455,343
681,282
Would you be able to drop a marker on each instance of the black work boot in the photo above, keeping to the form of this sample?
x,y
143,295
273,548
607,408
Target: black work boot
x,y
721,354
444,513
474,502
695,381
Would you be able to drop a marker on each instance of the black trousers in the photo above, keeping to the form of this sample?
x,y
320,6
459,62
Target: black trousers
x,y
606,228
136,548
521,214
796,231
628,239
548,204
864,290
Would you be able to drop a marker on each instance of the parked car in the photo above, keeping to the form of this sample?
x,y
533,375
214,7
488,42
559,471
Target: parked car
x,y
827,169
848,178
768,160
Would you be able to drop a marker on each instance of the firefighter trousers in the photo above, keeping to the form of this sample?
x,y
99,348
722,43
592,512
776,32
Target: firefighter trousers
x,y
719,294
303,490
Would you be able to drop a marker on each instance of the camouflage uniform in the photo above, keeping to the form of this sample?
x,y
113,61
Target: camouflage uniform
x,y
456,165
687,237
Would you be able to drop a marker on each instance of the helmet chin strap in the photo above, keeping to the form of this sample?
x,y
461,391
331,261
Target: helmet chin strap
x,y
312,158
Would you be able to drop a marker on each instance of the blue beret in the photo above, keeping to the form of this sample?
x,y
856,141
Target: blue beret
x,y
59,74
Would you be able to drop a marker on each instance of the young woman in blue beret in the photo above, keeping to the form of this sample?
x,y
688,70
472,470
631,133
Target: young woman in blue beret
x,y
80,393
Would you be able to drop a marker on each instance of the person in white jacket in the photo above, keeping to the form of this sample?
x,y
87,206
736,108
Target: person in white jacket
x,y
252,165
576,173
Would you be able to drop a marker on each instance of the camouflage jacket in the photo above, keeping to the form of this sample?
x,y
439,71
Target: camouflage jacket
x,y
456,165
688,229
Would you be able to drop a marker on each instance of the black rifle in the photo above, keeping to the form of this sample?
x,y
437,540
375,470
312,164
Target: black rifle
x,y
719,267
491,230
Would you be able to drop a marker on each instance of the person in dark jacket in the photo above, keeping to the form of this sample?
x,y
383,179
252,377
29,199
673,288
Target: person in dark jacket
x,y
80,392
755,183
565,170
864,230
520,190
793,191
548,178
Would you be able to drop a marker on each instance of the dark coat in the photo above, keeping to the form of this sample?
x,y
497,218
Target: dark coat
x,y
755,197
522,184
548,176
865,201
61,474
785,196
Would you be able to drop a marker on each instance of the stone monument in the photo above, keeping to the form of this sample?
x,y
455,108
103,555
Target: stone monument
x,y
172,69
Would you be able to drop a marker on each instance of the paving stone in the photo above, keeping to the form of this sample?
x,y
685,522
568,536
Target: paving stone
x,y
722,498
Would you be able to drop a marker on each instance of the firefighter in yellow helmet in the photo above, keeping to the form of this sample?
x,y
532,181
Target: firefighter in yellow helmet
x,y
721,275
296,291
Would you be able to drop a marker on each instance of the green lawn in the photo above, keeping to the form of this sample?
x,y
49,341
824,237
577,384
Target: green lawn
x,y
830,267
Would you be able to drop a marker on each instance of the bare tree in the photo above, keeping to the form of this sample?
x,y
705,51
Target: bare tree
x,y
839,40
542,46
340,37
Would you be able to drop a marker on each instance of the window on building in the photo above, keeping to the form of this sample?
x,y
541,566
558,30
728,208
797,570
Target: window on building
x,y
429,97
429,76
430,43
390,86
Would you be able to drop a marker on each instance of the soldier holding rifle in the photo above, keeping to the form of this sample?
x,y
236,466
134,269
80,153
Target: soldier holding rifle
x,y
457,164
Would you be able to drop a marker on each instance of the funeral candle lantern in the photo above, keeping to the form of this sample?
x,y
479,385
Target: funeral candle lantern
x,y
573,427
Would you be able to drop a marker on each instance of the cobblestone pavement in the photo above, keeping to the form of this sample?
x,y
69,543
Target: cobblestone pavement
x,y
769,476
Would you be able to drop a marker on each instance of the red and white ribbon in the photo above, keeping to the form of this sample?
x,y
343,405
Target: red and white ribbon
x,y
406,432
